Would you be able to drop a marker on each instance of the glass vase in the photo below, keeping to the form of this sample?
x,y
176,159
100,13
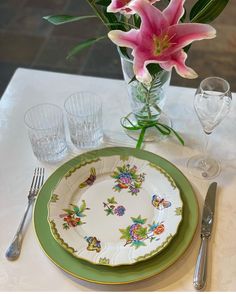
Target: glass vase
x,y
146,102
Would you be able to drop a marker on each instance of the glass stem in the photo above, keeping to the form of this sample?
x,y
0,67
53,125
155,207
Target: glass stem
x,y
205,152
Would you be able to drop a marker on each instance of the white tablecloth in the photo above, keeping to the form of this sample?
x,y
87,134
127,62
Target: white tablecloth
x,y
33,271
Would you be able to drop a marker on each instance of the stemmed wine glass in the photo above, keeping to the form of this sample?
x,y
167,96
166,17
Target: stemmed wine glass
x,y
212,102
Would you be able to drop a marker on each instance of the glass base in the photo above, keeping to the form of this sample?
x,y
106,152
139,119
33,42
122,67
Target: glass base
x,y
151,134
203,168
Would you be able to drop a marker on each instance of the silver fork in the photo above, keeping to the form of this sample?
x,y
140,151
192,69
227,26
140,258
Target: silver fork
x,y
14,249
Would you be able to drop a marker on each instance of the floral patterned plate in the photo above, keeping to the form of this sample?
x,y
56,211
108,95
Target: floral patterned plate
x,y
115,210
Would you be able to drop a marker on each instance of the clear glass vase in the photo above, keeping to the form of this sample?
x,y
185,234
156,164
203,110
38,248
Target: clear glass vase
x,y
146,101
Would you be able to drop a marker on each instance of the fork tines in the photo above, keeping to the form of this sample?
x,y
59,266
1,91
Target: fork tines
x,y
37,181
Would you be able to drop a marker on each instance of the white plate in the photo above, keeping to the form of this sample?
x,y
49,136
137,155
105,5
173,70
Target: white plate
x,y
115,210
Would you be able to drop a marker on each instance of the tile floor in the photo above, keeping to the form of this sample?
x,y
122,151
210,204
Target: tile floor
x,y
26,40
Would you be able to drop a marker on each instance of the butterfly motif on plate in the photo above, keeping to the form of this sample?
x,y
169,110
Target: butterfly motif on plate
x,y
90,180
93,244
159,202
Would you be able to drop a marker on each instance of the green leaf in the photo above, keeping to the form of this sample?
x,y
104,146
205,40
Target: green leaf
x,y
154,68
186,48
133,79
178,211
178,137
139,220
82,206
103,2
112,19
62,19
137,20
54,198
142,232
110,16
75,208
68,211
117,188
83,45
125,233
166,130
205,11
109,211
121,168
123,51
111,200
134,176
79,214
163,130
138,243
137,185
115,173
65,226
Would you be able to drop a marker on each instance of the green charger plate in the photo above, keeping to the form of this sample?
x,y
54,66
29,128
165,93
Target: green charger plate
x,y
128,273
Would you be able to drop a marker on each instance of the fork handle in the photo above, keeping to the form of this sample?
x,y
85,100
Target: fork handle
x,y
14,249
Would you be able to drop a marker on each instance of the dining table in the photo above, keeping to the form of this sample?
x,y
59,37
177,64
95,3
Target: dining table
x,y
34,270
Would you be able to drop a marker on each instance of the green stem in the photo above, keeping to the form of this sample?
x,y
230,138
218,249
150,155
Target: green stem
x,y
164,131
148,90
162,128
98,13
157,108
121,22
132,19
147,98
106,205
149,110
141,138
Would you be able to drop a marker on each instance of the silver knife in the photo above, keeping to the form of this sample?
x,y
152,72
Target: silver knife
x,y
200,274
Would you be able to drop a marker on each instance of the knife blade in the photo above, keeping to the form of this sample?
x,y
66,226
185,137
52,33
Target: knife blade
x,y
200,273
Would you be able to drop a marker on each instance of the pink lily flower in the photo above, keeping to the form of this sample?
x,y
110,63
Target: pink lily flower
x,y
122,6
161,38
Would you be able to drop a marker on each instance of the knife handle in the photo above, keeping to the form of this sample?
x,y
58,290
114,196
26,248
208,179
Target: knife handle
x,y
200,273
